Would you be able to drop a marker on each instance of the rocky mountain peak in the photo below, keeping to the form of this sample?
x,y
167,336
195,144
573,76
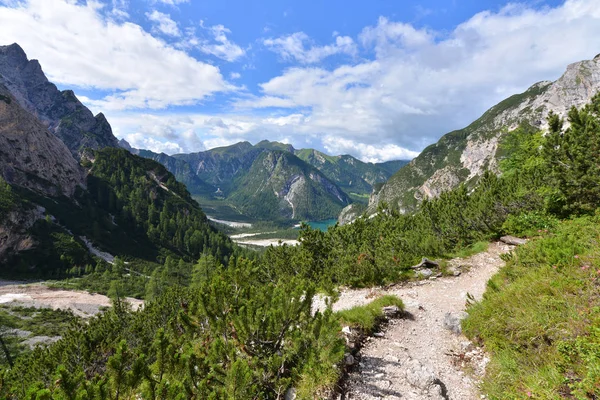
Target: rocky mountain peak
x,y
30,155
61,112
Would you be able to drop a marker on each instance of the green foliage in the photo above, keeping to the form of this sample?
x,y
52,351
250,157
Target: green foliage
x,y
232,336
529,223
31,322
381,249
539,317
7,200
366,317
572,158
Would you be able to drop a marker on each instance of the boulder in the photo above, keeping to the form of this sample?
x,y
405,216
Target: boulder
x,y
515,241
452,321
426,263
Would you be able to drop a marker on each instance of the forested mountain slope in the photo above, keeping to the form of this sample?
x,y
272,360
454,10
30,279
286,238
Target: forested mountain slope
x,y
54,209
350,174
131,207
464,155
280,184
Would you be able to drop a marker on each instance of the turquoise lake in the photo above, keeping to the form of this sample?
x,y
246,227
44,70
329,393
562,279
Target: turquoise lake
x,y
322,225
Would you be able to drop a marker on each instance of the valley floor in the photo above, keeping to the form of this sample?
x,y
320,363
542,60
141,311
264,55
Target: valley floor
x,y
37,295
419,357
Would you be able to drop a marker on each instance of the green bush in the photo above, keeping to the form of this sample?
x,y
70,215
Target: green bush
x,y
529,223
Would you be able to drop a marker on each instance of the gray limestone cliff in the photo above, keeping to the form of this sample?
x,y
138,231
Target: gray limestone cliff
x,y
59,111
30,156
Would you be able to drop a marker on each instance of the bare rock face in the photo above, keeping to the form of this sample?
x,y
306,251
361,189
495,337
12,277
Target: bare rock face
x,y
60,112
30,156
13,230
350,213
463,155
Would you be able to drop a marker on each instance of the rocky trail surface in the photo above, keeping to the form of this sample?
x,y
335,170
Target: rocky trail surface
x,y
423,355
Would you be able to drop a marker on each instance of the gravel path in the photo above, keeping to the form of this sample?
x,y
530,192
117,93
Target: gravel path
x,y
418,357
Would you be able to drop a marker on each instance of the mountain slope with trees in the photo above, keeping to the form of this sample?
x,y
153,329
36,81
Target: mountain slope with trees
x,y
222,174
462,156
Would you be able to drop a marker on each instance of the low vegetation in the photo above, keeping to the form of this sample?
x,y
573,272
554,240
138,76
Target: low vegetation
x,y
367,317
540,315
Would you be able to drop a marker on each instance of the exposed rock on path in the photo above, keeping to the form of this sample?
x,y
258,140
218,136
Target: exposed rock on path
x,y
420,357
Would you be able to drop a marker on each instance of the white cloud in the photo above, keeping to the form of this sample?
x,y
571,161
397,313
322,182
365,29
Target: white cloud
x,y
172,2
165,24
403,90
188,133
142,141
294,47
235,75
368,153
420,84
221,46
77,46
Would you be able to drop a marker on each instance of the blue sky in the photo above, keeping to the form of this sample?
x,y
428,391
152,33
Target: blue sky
x,y
380,79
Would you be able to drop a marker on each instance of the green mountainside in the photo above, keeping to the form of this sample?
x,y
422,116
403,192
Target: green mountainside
x,y
131,207
280,185
221,174
353,176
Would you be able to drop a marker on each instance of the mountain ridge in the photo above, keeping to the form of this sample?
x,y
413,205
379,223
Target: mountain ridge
x,y
227,169
461,156
60,111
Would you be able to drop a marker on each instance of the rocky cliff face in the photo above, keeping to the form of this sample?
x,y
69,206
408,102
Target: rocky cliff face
x,y
60,112
463,155
30,156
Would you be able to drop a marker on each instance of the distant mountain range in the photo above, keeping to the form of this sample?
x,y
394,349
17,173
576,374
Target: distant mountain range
x,y
267,181
272,180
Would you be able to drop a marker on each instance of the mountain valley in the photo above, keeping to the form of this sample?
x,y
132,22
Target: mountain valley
x,y
333,311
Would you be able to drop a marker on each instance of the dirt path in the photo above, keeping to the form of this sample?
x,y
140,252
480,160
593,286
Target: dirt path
x,y
416,357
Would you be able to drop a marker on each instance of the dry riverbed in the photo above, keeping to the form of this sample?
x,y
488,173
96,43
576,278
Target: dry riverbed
x,y
38,295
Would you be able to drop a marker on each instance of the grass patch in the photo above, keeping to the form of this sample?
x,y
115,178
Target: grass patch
x,y
366,317
540,315
475,248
